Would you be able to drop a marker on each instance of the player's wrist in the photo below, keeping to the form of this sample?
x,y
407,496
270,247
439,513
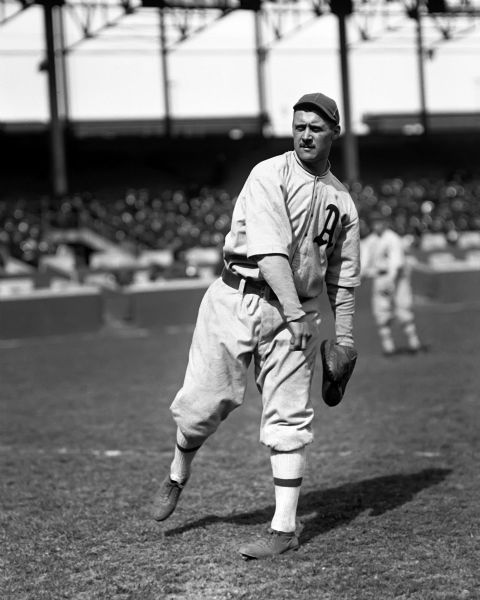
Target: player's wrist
x,y
295,316
345,341
292,309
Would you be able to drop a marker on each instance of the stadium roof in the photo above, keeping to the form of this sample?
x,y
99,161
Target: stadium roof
x,y
218,61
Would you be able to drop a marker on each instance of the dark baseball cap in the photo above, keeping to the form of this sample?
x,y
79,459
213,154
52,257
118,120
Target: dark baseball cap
x,y
324,104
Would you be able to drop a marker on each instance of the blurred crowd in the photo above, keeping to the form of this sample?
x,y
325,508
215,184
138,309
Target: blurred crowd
x,y
447,207
170,220
179,219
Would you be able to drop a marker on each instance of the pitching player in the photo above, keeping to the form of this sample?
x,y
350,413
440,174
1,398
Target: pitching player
x,y
294,231
383,259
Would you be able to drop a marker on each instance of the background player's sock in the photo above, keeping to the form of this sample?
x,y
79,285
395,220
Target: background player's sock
x,y
386,339
411,335
185,452
287,469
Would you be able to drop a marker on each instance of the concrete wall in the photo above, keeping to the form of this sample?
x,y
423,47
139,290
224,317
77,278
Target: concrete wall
x,y
447,286
43,312
165,303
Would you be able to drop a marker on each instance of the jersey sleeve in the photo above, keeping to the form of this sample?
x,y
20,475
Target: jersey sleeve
x,y
367,267
267,225
344,261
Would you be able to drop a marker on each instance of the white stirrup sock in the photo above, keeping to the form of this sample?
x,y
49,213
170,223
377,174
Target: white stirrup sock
x,y
185,452
386,338
288,469
411,335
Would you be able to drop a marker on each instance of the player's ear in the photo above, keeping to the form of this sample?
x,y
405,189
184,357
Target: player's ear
x,y
336,132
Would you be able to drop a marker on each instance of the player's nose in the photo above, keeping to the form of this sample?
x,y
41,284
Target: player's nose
x,y
307,134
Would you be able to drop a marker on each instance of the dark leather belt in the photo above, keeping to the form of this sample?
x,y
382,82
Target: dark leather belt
x,y
250,287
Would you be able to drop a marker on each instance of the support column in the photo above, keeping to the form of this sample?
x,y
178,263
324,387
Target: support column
x,y
421,70
350,149
415,13
57,130
64,109
165,74
261,56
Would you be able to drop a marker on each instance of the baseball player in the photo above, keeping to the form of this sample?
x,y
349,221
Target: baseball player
x,y
294,230
384,260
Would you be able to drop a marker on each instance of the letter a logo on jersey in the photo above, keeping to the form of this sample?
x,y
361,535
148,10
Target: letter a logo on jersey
x,y
333,215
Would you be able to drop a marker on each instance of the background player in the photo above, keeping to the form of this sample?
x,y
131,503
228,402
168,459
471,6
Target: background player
x,y
384,259
294,228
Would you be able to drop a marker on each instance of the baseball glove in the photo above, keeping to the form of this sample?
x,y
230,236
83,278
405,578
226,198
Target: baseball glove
x,y
338,364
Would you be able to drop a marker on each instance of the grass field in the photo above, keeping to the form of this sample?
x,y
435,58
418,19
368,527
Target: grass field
x,y
389,507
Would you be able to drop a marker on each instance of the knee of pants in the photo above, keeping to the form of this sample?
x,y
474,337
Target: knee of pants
x,y
286,441
383,319
382,313
286,437
200,415
405,315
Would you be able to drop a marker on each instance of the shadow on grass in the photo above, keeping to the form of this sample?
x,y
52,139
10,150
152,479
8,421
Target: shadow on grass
x,y
323,510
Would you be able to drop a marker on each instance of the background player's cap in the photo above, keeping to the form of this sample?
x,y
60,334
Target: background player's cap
x,y
324,104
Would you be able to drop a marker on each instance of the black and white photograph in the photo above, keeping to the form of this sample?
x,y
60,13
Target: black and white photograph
x,y
239,299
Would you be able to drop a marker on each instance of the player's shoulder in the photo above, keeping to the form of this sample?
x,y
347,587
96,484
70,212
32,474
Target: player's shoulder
x,y
273,165
335,183
391,235
337,187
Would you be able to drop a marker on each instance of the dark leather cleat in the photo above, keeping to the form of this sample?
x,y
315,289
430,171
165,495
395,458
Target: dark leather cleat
x,y
166,498
277,542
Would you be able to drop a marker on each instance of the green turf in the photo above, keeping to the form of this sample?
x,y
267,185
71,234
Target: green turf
x,y
389,507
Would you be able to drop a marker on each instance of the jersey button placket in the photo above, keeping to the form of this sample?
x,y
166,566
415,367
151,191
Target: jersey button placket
x,y
311,211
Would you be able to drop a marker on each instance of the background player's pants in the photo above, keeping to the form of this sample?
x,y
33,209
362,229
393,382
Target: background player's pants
x,y
387,305
232,328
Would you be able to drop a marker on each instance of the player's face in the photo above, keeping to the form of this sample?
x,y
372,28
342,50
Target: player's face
x,y
313,137
379,227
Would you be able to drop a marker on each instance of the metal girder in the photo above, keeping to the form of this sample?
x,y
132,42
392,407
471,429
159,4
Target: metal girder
x,y
281,17
10,10
193,4
93,17
96,16
284,19
183,24
49,3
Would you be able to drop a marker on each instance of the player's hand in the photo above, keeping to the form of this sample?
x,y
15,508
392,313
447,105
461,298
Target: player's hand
x,y
301,332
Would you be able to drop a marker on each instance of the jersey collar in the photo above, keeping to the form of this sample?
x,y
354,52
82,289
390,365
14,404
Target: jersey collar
x,y
300,164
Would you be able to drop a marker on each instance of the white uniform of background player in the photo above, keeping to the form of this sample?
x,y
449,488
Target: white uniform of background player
x,y
384,260
294,229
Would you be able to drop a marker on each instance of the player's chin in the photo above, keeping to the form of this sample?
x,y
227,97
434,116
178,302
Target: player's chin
x,y
307,154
